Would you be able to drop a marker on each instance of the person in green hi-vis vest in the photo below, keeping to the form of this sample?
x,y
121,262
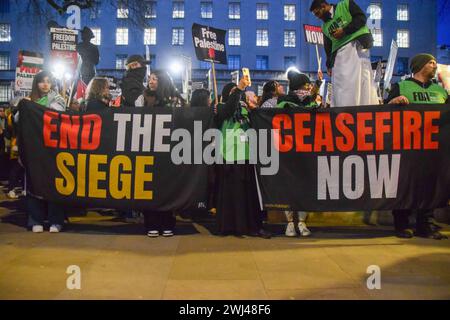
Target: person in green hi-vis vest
x,y
419,89
237,200
347,41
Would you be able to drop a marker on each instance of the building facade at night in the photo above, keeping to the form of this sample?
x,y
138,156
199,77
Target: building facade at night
x,y
264,35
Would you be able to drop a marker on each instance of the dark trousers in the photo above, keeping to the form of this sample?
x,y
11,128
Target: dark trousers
x,y
159,220
401,218
39,209
16,175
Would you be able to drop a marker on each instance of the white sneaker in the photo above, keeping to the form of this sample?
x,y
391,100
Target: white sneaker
x,y
167,233
290,230
37,228
55,228
153,233
13,195
304,231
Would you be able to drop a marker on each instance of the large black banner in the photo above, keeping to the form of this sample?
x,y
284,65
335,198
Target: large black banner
x,y
339,159
357,158
118,158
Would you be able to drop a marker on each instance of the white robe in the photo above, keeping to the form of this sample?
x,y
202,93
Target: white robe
x,y
352,77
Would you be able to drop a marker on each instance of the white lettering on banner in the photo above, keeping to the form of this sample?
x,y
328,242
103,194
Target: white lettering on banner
x,y
144,130
382,178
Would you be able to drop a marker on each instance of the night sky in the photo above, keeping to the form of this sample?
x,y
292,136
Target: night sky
x,y
444,22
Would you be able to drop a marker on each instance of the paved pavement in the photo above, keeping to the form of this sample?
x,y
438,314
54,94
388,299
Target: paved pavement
x,y
118,262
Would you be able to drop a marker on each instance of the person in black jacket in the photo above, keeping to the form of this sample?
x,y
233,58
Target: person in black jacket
x,y
238,208
97,94
89,53
133,81
347,41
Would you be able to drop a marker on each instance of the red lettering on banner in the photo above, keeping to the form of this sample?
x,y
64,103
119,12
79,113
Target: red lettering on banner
x,y
70,127
49,128
363,131
323,125
396,137
88,141
412,122
347,141
301,132
381,128
277,120
429,130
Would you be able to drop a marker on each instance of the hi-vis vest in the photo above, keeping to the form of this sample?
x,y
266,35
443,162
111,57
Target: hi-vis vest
x,y
341,19
234,145
416,94
286,104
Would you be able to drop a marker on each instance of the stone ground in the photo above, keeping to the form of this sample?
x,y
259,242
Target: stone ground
x,y
118,262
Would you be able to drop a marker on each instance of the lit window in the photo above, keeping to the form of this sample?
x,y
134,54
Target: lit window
x,y
262,62
377,37
122,36
374,11
403,38
178,10
5,92
177,36
262,11
289,38
97,36
234,10
150,36
122,10
4,61
402,12
5,32
234,37
262,37
234,62
121,61
289,12
206,9
150,9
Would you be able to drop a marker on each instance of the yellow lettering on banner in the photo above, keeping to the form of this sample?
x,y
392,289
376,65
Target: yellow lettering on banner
x,y
116,177
141,177
81,175
95,176
66,184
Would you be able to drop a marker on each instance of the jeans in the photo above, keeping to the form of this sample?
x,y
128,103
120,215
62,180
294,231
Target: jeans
x,y
38,210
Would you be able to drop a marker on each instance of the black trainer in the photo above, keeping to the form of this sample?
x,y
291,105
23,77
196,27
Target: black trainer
x,y
404,234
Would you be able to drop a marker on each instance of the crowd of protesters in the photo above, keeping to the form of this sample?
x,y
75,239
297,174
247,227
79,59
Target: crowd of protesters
x,y
233,186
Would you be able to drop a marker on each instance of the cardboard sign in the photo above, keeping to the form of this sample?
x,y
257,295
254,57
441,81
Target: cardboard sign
x,y
444,76
209,43
313,34
390,64
28,65
63,47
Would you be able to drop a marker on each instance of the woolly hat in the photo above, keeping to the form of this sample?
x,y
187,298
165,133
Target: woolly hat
x,y
297,80
419,61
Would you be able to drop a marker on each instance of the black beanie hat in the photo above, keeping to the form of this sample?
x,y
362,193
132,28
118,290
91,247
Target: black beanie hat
x,y
297,80
419,61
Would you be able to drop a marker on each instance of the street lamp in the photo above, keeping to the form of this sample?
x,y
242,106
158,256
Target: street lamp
x,y
292,68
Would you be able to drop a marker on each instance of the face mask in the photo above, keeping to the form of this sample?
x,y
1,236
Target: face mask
x,y
140,72
326,16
